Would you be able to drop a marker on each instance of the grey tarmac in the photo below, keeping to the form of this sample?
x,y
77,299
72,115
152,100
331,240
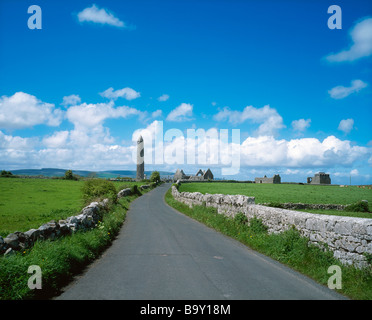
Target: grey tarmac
x,y
161,254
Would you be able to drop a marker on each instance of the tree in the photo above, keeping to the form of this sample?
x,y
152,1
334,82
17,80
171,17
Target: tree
x,y
69,175
155,177
6,173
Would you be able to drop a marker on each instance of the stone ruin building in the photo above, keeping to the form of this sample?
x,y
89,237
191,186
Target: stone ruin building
x,y
275,179
201,175
319,178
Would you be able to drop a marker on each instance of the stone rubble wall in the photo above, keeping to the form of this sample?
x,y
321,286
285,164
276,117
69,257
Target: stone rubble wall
x,y
349,238
87,219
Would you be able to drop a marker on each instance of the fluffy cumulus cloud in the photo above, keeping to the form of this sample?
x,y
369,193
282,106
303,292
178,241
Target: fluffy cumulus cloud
x,y
93,115
346,125
301,124
341,92
182,113
89,144
93,148
157,113
255,152
18,151
306,152
56,140
71,100
361,43
23,110
101,16
8,142
126,93
269,119
163,97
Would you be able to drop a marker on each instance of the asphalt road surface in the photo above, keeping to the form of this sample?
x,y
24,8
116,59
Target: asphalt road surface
x,y
161,254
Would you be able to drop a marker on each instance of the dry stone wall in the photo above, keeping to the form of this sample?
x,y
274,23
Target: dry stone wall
x,y
87,219
349,238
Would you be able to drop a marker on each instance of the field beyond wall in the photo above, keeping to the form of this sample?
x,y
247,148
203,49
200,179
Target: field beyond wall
x,y
294,193
29,203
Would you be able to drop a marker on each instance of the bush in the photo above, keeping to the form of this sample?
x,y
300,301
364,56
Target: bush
x,y
155,177
98,189
70,176
360,206
6,173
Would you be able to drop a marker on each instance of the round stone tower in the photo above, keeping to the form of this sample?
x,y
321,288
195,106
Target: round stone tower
x,y
140,159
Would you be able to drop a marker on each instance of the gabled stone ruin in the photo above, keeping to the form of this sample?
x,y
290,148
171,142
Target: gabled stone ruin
x,y
275,179
201,175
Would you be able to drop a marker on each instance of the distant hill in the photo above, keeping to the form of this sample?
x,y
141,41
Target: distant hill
x,y
55,172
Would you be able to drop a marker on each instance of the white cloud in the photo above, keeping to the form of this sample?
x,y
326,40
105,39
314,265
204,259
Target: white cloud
x,y
291,171
71,100
354,172
8,142
88,145
341,92
92,115
361,36
127,93
301,124
258,152
182,113
101,16
57,140
17,151
346,125
163,97
23,110
307,152
269,119
92,148
157,113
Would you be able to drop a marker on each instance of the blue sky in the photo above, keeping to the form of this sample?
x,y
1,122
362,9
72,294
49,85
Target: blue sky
x,y
75,93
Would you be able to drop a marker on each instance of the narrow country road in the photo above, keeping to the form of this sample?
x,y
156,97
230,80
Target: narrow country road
x,y
161,254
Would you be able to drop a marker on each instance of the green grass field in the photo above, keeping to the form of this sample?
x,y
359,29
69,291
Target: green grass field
x,y
29,203
281,193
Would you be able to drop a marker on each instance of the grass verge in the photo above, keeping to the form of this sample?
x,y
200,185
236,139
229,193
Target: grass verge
x,y
288,248
60,259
